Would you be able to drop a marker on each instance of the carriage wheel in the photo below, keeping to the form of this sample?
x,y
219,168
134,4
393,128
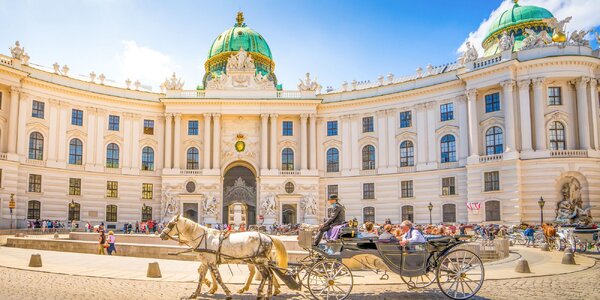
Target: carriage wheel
x,y
520,240
419,282
460,274
330,279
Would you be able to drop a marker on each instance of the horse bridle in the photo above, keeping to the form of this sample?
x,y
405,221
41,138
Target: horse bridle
x,y
179,234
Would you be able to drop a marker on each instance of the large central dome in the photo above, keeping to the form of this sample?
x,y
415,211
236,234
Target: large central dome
x,y
231,41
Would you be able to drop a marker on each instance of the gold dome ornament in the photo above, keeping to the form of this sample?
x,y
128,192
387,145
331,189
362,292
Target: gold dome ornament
x,y
240,145
559,37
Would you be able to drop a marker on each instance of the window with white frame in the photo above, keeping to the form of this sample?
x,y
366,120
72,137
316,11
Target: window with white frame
x,y
448,186
491,181
369,190
406,189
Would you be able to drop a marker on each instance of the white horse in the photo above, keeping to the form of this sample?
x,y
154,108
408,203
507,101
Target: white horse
x,y
213,247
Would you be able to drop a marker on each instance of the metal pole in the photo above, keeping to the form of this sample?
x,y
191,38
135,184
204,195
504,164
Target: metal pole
x,y
430,221
542,215
11,219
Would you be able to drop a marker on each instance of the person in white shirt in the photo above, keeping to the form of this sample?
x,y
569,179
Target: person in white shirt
x,y
410,235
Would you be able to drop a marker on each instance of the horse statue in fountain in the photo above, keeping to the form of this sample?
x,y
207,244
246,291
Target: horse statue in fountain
x,y
215,247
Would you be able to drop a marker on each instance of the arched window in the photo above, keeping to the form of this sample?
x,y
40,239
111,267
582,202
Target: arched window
x,y
36,146
448,148
287,159
557,136
368,157
75,152
147,159
111,213
74,211
408,213
493,141
369,214
34,210
193,159
333,160
492,211
146,213
449,213
112,155
407,154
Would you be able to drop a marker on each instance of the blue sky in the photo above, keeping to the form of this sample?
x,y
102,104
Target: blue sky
x,y
334,40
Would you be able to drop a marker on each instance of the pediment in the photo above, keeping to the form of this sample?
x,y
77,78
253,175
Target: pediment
x,y
367,140
332,143
446,129
406,135
491,121
76,132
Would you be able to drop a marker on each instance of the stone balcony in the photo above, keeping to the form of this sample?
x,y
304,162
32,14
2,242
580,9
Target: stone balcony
x,y
407,169
35,162
448,165
568,153
491,158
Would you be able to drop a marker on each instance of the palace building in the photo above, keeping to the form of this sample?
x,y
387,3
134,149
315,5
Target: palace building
x,y
478,140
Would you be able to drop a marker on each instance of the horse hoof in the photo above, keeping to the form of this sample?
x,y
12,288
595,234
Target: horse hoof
x,y
241,291
212,291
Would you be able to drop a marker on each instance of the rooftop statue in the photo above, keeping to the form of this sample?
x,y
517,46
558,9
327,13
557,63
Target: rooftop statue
x,y
534,40
309,84
16,51
507,41
240,61
470,54
173,84
578,38
558,27
570,209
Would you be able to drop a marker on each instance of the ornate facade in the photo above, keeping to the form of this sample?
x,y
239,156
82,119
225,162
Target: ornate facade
x,y
478,140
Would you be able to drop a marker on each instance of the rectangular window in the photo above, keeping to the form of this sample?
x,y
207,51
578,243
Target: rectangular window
x,y
368,191
332,128
367,123
111,213
492,181
149,127
37,109
193,127
113,122
77,117
332,190
288,128
492,102
75,186
554,95
112,189
147,191
405,119
406,189
35,183
447,112
448,186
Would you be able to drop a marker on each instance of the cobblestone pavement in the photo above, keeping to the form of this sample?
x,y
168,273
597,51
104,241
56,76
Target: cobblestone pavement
x,y
24,284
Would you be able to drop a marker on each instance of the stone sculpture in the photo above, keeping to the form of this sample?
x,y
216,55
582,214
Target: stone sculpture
x,y
578,38
470,54
309,84
310,205
268,205
570,209
558,27
17,51
534,40
210,205
507,41
174,83
240,72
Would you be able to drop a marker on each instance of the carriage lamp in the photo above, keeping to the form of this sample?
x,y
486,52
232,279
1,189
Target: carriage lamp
x,y
430,207
541,203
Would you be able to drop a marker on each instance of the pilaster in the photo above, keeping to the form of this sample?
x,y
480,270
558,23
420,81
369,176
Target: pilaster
x,y
526,143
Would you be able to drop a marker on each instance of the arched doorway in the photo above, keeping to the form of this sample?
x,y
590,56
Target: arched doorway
x,y
289,215
239,195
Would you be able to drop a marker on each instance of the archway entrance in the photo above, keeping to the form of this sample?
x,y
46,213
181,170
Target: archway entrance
x,y
239,196
289,214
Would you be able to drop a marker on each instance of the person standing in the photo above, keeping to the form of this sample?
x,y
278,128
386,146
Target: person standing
x,y
137,227
101,242
529,235
111,243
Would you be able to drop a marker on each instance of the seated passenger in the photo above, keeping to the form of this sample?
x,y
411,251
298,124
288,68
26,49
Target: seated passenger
x,y
387,234
411,235
370,231
337,217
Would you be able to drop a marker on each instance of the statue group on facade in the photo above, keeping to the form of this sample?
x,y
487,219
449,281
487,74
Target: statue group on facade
x,y
268,205
210,205
507,41
570,209
309,85
240,72
241,61
470,54
172,84
310,205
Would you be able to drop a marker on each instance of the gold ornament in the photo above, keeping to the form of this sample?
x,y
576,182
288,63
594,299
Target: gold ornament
x,y
240,145
559,37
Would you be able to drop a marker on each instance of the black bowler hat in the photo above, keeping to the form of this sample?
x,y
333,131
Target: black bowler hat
x,y
333,197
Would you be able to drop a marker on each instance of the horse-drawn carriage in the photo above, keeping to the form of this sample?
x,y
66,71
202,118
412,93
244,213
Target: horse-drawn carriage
x,y
458,272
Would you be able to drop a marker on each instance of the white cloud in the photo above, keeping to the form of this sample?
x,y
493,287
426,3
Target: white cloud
x,y
141,63
584,12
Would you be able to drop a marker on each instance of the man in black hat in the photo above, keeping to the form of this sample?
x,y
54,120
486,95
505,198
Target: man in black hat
x,y
337,217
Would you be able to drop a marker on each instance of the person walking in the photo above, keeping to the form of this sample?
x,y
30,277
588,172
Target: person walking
x,y
529,234
111,243
101,242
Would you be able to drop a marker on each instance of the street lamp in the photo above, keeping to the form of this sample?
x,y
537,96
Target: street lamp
x,y
430,207
71,213
541,203
12,205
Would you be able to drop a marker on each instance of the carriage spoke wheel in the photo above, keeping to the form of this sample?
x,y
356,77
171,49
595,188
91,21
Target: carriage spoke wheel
x,y
330,279
419,282
460,274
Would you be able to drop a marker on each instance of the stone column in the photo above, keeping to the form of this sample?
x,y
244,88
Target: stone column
x,y
525,115
62,132
216,154
509,115
431,136
91,136
463,128
312,150
136,152
168,140
355,151
570,103
346,147
582,113
382,141
393,150
206,142
13,119
177,142
594,112
264,141
273,142
100,130
303,142
53,130
421,134
473,122
23,138
127,130
539,105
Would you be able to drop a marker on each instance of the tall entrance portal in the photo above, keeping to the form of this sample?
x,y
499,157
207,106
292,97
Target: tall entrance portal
x,y
239,196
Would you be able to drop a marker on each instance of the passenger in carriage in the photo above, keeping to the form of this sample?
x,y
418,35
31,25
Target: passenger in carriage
x,y
387,235
411,235
370,231
337,217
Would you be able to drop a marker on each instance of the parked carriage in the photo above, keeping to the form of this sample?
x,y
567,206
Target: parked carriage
x,y
459,273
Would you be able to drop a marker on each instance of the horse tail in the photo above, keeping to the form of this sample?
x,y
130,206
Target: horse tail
x,y
280,253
